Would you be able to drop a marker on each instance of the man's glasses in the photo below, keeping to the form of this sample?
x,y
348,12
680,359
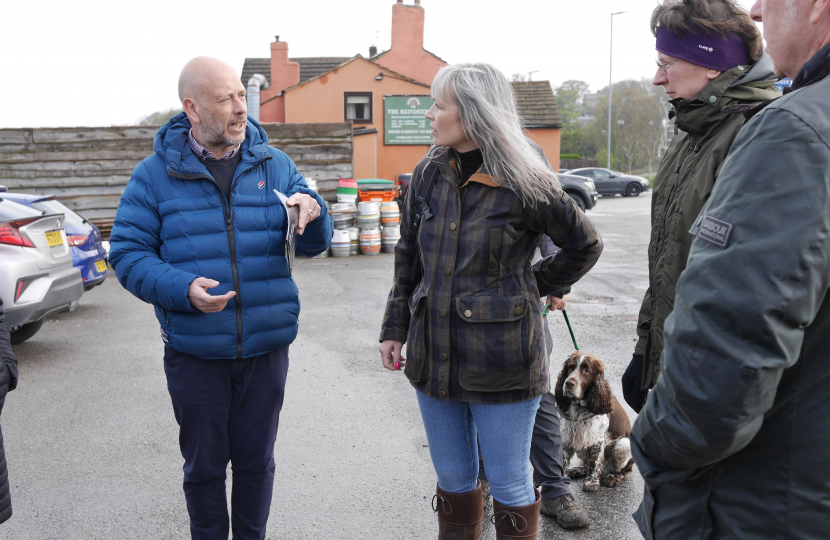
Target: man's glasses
x,y
665,65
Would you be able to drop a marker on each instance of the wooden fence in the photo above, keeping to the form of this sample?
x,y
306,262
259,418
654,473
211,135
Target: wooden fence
x,y
88,168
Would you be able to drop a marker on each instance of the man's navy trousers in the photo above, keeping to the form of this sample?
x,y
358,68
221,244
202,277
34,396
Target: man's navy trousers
x,y
228,411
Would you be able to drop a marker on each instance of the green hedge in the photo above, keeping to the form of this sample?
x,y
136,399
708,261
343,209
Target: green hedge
x,y
569,156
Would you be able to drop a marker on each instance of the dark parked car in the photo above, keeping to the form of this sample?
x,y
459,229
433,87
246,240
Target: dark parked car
x,y
580,188
84,238
610,182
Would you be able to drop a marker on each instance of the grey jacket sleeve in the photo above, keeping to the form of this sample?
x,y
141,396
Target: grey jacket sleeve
x,y
741,309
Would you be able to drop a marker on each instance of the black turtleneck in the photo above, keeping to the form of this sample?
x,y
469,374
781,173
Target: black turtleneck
x,y
470,162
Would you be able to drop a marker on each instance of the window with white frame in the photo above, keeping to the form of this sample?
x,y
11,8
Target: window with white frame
x,y
358,107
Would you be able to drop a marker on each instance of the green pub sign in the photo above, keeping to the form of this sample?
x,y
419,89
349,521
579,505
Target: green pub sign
x,y
404,121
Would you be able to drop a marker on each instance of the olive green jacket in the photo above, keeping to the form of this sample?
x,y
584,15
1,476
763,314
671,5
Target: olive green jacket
x,y
683,184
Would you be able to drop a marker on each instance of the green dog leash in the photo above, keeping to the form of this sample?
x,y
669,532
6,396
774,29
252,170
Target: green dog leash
x,y
567,321
570,328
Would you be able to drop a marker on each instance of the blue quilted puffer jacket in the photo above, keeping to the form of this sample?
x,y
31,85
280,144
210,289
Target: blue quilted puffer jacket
x,y
174,225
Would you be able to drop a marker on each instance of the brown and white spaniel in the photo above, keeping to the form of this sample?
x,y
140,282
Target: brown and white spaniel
x,y
595,428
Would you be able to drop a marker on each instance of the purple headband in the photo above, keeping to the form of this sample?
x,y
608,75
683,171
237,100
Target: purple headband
x,y
708,50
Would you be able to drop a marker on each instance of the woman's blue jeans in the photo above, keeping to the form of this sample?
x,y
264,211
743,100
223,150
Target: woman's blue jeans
x,y
504,431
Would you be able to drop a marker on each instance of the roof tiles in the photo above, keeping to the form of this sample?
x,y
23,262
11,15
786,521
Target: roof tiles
x,y
537,104
309,67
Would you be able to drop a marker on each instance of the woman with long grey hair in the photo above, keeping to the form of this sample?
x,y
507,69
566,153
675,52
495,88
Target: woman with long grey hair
x,y
466,298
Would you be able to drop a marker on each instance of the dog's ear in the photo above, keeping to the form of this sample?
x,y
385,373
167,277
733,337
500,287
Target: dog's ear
x,y
561,401
598,399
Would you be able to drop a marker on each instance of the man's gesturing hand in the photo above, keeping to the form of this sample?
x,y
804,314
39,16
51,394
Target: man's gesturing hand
x,y
203,301
309,209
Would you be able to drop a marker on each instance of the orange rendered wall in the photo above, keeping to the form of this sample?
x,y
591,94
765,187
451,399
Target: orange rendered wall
x,y
322,100
548,139
364,148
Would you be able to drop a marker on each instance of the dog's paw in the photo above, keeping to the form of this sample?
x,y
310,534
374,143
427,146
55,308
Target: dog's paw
x,y
612,479
576,472
590,487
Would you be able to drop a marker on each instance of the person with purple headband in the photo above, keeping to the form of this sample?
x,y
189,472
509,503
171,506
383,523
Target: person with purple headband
x,y
709,56
732,441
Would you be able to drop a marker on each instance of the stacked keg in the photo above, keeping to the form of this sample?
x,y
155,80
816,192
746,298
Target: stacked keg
x,y
341,244
354,236
368,219
370,241
343,215
390,219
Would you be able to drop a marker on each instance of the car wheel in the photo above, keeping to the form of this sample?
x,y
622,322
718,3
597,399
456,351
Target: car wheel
x,y
25,332
633,190
578,200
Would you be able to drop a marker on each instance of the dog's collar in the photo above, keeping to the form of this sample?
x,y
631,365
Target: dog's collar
x,y
573,417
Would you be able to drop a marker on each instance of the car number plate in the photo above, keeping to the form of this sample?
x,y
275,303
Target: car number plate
x,y
55,238
100,266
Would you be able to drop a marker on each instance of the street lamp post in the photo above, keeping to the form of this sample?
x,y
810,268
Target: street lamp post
x,y
611,86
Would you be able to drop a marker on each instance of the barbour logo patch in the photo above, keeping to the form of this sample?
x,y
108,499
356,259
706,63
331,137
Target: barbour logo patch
x,y
261,184
716,231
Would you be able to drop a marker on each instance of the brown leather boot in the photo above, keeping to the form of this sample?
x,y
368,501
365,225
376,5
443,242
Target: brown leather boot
x,y
517,521
459,514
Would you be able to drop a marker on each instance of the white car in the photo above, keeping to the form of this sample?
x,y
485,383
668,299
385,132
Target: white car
x,y
36,273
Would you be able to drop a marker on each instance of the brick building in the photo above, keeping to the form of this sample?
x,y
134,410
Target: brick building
x,y
376,93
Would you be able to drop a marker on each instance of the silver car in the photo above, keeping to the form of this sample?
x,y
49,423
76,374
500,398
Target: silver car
x,y
36,273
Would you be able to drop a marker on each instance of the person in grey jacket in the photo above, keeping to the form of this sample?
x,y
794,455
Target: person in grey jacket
x,y
8,382
732,441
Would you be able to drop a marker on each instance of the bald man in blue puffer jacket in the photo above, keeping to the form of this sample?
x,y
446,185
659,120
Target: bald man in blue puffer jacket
x,y
203,214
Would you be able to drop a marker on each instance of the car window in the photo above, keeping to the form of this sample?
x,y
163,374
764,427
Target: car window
x,y
54,207
599,173
584,172
11,210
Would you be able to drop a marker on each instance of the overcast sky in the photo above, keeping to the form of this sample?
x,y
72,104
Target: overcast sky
x,y
101,63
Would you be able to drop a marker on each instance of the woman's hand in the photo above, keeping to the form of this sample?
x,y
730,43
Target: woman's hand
x,y
558,303
390,354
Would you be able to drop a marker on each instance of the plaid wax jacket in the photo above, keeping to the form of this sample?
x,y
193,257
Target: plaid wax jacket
x,y
465,297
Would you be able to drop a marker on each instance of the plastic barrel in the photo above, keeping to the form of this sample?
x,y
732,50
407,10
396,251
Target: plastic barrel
x,y
347,190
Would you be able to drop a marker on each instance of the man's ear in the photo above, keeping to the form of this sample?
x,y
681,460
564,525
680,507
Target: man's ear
x,y
189,107
820,11
713,74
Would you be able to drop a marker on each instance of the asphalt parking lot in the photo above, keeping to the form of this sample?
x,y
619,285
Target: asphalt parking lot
x,y
92,445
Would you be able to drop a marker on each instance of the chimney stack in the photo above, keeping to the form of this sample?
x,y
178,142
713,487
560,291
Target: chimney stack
x,y
372,51
407,27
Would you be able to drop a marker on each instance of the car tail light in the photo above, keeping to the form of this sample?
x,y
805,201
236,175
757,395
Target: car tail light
x,y
10,233
75,239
